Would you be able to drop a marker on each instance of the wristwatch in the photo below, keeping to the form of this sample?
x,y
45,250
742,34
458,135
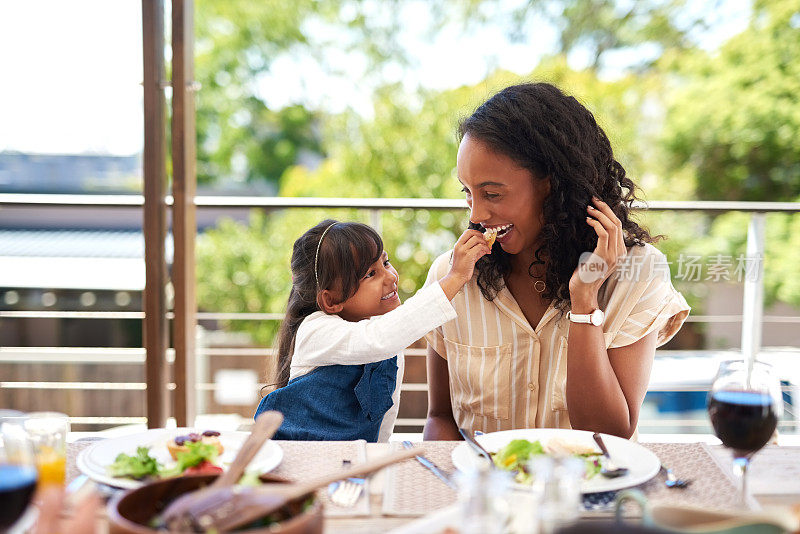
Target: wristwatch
x,y
595,318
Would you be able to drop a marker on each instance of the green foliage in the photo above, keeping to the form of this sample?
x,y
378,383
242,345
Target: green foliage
x,y
734,119
730,131
239,138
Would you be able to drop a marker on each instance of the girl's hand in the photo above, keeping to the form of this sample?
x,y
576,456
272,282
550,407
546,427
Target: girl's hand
x,y
469,248
593,270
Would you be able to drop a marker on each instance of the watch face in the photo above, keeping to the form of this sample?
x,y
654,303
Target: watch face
x,y
597,317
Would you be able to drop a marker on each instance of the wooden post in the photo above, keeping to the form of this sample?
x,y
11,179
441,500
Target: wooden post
x,y
155,212
184,225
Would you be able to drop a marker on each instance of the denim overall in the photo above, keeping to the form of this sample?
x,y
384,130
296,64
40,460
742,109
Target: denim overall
x,y
335,402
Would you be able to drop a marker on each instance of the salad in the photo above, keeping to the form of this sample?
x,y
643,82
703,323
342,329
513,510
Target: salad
x,y
198,458
518,452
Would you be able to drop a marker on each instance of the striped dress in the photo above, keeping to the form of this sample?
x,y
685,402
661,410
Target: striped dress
x,y
507,374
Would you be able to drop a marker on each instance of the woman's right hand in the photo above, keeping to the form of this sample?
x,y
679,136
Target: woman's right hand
x,y
469,248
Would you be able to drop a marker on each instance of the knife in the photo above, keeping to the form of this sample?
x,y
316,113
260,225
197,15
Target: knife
x,y
477,447
432,467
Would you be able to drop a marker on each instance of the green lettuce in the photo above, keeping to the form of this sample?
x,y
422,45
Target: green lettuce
x,y
138,467
196,453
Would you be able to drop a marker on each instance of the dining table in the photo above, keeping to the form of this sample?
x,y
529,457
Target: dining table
x,y
407,491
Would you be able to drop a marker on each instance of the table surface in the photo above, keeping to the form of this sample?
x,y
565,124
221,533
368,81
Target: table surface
x,y
774,480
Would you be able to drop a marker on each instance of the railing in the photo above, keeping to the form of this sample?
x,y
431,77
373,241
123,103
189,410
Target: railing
x,y
751,318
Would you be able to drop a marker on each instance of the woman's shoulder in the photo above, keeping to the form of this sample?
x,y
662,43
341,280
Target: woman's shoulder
x,y
645,250
441,265
642,263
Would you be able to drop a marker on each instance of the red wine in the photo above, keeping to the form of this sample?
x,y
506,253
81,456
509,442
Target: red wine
x,y
16,489
743,420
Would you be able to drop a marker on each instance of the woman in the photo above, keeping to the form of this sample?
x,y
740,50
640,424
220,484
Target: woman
x,y
539,342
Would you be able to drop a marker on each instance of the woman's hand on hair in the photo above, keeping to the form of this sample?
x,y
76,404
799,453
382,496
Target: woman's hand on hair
x,y
595,268
469,248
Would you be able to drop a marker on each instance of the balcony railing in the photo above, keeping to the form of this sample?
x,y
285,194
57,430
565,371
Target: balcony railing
x,y
751,317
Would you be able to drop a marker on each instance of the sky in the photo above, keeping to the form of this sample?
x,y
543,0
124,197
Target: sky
x,y
72,70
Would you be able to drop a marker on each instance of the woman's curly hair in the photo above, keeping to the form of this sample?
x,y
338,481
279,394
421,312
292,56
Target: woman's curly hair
x,y
555,138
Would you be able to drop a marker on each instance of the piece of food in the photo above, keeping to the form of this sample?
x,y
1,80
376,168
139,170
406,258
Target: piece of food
x,y
179,443
195,454
490,235
515,457
518,452
203,468
561,447
140,466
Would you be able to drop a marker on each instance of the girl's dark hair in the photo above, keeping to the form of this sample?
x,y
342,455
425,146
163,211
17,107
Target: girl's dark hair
x,y
556,139
347,251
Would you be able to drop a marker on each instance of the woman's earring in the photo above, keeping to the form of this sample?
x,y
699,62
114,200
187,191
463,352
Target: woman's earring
x,y
539,286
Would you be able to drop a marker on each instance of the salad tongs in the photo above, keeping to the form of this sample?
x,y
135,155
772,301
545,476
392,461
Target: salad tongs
x,y
226,509
265,426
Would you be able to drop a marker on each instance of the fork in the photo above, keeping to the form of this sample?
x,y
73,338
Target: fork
x,y
673,481
345,493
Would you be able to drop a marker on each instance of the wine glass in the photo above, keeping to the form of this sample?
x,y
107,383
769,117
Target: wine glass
x,y
744,405
18,473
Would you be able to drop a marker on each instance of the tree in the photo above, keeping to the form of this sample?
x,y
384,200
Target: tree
x,y
733,119
731,126
593,27
239,138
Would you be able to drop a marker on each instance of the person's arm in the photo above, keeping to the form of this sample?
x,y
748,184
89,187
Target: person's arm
x,y
605,388
440,424
330,340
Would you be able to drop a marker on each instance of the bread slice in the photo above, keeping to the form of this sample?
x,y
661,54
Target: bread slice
x,y
490,235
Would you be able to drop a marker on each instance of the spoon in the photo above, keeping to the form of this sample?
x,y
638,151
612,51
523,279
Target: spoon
x,y
477,447
265,426
226,509
609,469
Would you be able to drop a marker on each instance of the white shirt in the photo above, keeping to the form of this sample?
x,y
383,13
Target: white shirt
x,y
324,339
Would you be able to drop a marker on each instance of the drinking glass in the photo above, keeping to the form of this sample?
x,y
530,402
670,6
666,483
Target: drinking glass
x,y
48,434
17,472
744,405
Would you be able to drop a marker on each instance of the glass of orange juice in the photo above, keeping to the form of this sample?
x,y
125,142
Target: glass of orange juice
x,y
48,434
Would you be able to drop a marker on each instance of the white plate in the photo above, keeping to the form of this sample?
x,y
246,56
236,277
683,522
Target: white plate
x,y
642,463
94,460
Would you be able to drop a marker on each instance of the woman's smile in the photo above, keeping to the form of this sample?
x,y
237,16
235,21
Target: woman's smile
x,y
502,231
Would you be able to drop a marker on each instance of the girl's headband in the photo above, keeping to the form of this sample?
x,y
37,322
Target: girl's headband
x,y
316,256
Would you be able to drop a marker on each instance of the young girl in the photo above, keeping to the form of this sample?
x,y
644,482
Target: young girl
x,y
340,359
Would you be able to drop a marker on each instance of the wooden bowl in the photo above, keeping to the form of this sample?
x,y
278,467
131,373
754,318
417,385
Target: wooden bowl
x,y
131,512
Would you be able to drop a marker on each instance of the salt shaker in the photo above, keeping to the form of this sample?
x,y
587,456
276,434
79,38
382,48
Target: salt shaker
x,y
482,495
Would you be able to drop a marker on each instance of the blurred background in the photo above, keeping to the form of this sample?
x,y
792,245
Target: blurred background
x,y
360,99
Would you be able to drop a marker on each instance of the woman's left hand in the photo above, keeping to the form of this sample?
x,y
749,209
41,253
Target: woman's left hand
x,y
593,270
